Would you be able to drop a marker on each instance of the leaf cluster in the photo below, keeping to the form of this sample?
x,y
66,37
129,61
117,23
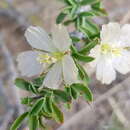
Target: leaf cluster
x,y
44,104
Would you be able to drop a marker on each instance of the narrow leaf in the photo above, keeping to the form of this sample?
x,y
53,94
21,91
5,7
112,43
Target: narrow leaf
x,y
72,2
21,83
47,105
86,49
84,90
18,121
75,39
82,73
89,2
60,18
33,123
25,85
57,114
90,27
73,12
74,93
87,14
38,81
63,96
37,107
82,58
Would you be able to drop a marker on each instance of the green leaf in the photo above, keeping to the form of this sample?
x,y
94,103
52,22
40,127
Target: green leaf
x,y
37,107
84,90
89,27
60,18
75,39
41,124
82,73
82,58
33,123
25,85
18,121
21,83
73,49
26,100
78,23
74,93
88,2
73,13
67,22
100,12
86,14
85,31
46,115
93,28
38,81
32,88
68,90
63,96
47,105
57,114
86,49
96,5
67,10
72,2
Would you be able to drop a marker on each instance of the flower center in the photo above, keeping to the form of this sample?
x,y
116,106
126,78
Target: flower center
x,y
50,58
106,48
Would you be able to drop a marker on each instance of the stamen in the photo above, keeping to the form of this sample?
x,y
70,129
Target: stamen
x,y
51,58
45,58
106,48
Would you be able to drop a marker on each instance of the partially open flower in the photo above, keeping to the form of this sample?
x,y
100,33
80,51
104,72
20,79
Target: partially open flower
x,y
113,53
49,51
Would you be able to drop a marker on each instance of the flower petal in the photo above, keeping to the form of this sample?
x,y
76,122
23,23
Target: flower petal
x,y
70,71
110,33
54,77
105,71
39,39
28,65
122,63
95,52
61,38
125,35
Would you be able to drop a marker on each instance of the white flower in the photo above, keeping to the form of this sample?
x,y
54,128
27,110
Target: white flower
x,y
113,53
48,52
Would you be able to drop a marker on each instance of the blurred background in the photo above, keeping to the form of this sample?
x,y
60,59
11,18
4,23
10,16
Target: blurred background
x,y
111,107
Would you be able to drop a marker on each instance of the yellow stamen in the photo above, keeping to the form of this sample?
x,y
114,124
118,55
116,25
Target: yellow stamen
x,y
50,58
106,48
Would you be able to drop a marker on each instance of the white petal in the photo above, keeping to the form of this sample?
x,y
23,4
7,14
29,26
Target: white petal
x,y
95,52
125,35
105,71
70,71
28,65
110,33
39,39
122,63
53,78
61,38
